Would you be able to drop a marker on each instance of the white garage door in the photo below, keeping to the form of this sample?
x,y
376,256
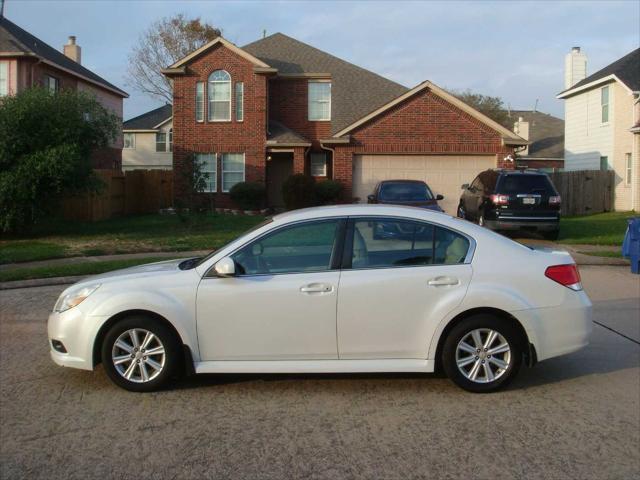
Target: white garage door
x,y
443,173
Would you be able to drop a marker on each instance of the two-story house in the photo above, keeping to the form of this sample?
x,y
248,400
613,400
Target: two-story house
x,y
602,122
278,106
148,140
26,61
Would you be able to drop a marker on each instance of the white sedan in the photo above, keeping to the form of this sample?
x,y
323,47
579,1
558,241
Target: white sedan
x,y
357,288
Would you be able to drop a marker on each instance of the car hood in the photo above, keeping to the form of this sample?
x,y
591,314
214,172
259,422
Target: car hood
x,y
155,268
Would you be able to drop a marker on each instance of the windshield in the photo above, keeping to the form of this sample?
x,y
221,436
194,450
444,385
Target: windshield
x,y
204,259
512,184
405,192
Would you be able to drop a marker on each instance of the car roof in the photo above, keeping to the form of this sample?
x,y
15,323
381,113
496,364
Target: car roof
x,y
520,172
353,210
400,180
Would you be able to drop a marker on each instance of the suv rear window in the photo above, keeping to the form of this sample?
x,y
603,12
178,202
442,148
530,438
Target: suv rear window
x,y
405,192
511,184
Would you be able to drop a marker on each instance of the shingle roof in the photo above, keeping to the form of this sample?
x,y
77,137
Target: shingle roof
x,y
546,134
281,134
355,91
16,40
148,121
627,69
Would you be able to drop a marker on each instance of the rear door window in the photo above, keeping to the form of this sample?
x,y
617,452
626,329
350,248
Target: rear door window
x,y
524,184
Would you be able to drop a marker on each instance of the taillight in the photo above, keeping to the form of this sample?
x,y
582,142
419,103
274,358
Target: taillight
x,y
500,199
554,200
567,275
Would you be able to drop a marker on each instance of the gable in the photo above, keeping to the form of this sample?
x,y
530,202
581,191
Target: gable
x,y
222,42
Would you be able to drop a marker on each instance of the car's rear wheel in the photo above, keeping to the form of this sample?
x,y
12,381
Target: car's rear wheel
x,y
140,354
483,353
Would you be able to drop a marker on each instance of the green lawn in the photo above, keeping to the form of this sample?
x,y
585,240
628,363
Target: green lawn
x,y
600,229
145,233
73,269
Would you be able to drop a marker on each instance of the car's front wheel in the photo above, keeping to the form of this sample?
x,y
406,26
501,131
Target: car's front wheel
x,y
140,354
483,353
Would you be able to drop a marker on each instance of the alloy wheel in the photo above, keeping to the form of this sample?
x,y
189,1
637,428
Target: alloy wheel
x,y
483,355
138,355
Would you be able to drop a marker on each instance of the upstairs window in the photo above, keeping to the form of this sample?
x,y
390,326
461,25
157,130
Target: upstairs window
x,y
130,141
50,83
161,142
200,102
319,96
604,104
219,96
239,102
4,78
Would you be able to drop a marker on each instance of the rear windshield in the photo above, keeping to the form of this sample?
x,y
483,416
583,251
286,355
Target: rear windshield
x,y
405,192
525,184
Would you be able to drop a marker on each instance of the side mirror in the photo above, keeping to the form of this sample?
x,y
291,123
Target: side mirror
x,y
439,197
371,198
225,267
465,186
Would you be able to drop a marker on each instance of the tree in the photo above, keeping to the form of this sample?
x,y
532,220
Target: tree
x,y
45,148
492,107
165,42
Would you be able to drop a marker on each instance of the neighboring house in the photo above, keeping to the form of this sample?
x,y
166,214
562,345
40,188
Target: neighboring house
x,y
278,106
148,141
546,134
27,61
602,129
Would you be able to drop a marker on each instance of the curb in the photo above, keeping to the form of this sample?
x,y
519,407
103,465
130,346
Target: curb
x,y
41,282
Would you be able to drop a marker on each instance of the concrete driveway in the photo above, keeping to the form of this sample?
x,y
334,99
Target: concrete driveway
x,y
573,417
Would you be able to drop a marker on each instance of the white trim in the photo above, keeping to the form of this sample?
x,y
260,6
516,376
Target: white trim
x,y
590,85
244,169
142,130
86,79
237,50
506,133
163,122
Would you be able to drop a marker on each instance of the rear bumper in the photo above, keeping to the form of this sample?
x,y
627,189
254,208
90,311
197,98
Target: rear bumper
x,y
556,331
523,222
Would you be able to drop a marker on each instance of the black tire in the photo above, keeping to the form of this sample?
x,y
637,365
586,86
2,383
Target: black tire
x,y
462,330
552,235
172,360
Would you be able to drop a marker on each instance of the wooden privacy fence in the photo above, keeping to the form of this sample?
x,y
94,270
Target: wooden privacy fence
x,y
584,192
124,193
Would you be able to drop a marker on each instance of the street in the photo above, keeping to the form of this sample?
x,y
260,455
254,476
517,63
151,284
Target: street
x,y
576,416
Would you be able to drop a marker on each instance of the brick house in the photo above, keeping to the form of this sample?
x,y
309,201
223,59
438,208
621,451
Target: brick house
x,y
26,61
278,106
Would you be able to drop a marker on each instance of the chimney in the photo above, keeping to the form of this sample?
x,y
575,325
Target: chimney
x,y
575,67
521,128
72,50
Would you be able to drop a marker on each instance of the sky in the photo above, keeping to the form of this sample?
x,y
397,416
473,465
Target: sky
x,y
511,49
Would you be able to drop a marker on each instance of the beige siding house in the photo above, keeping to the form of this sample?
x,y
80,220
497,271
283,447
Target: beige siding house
x,y
148,141
601,122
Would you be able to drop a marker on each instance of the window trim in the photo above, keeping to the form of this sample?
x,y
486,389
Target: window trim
x,y
7,66
210,84
244,169
201,91
325,173
163,143
336,254
309,83
347,255
628,168
239,99
605,105
133,142
215,165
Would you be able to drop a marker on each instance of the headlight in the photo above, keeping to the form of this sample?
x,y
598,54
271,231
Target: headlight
x,y
74,298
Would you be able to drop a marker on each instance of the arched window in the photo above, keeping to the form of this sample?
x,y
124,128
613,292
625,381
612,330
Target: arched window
x,y
219,96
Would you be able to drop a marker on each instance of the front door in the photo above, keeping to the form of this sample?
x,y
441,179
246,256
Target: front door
x,y
279,168
281,305
404,277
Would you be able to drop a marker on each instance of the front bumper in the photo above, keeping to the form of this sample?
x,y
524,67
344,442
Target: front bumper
x,y
559,330
77,332
531,223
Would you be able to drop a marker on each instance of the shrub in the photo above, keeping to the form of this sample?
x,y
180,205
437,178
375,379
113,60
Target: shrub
x,y
328,192
248,195
298,191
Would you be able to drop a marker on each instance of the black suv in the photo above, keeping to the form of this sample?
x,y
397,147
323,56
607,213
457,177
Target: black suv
x,y
512,200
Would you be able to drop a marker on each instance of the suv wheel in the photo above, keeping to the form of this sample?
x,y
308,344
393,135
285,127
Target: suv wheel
x,y
482,354
140,354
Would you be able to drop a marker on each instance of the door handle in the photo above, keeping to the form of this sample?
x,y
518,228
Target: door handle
x,y
316,288
443,281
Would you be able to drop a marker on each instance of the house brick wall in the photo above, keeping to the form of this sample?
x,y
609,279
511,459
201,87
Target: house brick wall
x,y
248,136
424,124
